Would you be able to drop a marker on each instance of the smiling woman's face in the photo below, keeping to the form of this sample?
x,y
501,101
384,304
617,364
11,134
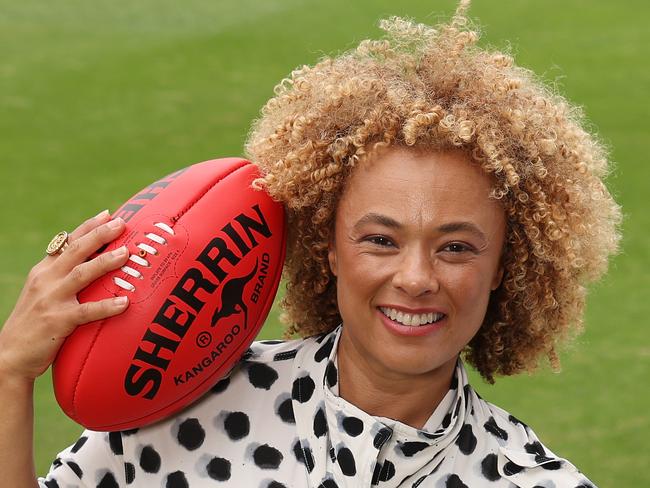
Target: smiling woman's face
x,y
416,253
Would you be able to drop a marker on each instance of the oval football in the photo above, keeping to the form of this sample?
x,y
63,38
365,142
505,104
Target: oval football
x,y
207,252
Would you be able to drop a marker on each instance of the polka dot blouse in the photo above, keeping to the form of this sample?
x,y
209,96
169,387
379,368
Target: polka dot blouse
x,y
277,421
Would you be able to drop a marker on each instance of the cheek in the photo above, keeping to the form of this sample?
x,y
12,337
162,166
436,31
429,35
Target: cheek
x,y
359,279
469,289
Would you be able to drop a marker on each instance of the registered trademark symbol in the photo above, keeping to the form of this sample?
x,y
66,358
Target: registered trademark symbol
x,y
204,339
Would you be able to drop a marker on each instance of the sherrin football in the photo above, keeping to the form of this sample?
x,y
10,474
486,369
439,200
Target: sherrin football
x,y
206,255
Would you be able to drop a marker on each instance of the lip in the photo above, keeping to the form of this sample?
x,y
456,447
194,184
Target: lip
x,y
404,309
410,331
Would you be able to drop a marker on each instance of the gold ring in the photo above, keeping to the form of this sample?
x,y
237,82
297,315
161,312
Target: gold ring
x,y
58,243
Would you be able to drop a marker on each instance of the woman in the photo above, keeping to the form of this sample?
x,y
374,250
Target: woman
x,y
442,204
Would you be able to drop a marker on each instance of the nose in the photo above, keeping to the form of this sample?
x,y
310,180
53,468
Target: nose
x,y
415,274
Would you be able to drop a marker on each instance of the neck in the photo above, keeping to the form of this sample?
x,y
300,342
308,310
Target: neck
x,y
407,398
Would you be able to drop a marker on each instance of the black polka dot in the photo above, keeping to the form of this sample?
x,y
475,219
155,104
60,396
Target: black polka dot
x,y
283,356
511,468
275,484
304,455
352,426
492,427
331,375
149,460
129,432
129,473
75,467
56,463
410,449
302,389
383,472
516,421
454,382
262,375
489,467
219,469
535,448
285,412
419,481
79,444
108,481
552,465
271,342
267,457
177,480
324,351
115,441
446,421
467,389
345,459
382,436
190,434
320,423
51,484
328,483
435,435
455,482
466,441
221,386
237,425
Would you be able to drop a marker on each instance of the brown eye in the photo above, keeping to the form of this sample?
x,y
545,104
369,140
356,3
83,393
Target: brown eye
x,y
381,241
458,247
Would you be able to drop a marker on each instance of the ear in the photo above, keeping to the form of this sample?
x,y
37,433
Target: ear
x,y
331,255
496,280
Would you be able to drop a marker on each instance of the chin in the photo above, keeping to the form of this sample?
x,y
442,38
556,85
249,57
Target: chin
x,y
415,364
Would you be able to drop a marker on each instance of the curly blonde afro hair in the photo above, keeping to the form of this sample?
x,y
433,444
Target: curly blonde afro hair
x,y
434,89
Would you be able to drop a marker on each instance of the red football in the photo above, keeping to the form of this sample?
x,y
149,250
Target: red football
x,y
206,255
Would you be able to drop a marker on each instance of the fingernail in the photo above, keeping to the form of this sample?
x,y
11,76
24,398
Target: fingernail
x,y
119,252
101,214
115,223
119,301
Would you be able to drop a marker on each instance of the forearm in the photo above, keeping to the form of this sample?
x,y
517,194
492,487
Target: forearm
x,y
16,431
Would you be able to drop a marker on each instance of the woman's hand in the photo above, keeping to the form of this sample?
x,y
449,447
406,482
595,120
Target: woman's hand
x,y
47,310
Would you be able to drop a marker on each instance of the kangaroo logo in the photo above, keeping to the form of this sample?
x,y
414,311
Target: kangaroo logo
x,y
232,298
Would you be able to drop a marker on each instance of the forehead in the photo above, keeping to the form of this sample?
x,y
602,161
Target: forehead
x,y
420,186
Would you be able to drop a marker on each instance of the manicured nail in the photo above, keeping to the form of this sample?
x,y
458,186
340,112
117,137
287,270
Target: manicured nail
x,y
101,215
119,252
115,223
120,301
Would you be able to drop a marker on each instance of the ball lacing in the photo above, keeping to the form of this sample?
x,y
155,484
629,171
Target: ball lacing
x,y
140,258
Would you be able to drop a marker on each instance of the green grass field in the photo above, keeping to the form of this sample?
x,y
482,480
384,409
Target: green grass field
x,y
99,98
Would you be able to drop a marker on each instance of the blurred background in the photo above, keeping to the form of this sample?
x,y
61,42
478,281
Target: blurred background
x,y
98,99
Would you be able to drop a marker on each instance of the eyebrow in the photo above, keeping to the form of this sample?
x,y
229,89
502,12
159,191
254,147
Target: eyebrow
x,y
448,228
375,218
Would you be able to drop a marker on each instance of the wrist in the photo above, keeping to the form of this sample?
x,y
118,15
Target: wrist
x,y
9,379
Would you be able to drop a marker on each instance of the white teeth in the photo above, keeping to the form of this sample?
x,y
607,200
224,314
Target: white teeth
x,y
411,319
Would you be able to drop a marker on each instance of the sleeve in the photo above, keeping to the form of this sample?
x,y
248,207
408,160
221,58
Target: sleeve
x,y
95,461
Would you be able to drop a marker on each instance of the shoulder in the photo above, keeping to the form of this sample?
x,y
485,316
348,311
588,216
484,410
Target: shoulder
x,y
521,457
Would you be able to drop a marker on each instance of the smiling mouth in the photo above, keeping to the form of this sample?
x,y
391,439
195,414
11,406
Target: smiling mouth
x,y
411,319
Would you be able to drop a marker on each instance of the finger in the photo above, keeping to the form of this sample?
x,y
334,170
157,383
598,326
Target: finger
x,y
87,312
90,224
81,230
85,246
85,273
